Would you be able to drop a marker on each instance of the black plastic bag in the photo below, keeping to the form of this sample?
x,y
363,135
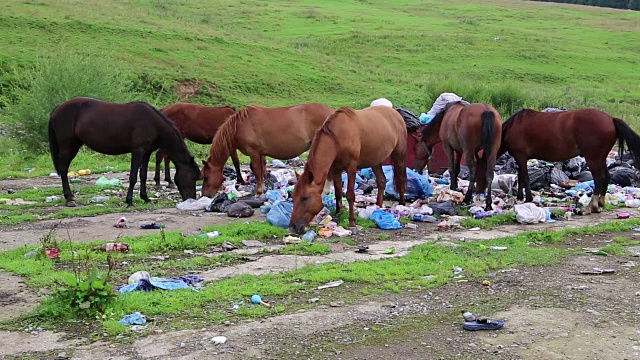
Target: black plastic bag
x,y
240,210
411,120
220,203
558,177
623,176
539,178
445,207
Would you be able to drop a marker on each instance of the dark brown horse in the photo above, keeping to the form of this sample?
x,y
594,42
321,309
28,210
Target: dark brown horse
x,y
560,136
282,133
464,129
350,140
114,129
198,123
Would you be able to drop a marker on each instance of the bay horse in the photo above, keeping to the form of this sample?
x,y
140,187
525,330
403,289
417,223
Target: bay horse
x,y
560,136
198,123
350,140
464,130
282,133
114,129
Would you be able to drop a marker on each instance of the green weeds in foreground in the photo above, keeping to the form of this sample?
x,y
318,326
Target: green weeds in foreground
x,y
370,277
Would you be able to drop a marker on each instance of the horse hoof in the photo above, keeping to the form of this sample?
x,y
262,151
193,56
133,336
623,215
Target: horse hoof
x,y
71,203
147,200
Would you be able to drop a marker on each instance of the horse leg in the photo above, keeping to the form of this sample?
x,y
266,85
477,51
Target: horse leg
x,y
143,177
490,164
351,193
236,164
156,178
336,177
469,157
136,160
167,171
381,182
457,158
256,161
450,156
65,157
601,180
523,179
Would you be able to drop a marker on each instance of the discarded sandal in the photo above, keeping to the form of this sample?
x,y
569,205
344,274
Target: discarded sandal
x,y
483,324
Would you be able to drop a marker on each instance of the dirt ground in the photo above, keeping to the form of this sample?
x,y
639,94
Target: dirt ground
x,y
550,312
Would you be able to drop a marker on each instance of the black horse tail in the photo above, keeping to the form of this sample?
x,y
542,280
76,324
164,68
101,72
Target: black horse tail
x,y
488,130
53,143
631,138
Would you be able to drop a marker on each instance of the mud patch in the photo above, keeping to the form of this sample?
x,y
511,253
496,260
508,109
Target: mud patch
x,y
15,297
190,89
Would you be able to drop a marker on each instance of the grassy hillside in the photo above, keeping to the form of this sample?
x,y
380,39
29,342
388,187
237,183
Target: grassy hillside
x,y
341,52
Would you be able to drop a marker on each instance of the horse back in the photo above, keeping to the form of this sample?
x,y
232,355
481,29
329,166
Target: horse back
x,y
198,123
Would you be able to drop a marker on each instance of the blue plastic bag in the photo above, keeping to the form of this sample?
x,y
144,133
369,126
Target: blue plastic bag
x,y
273,196
418,186
329,201
280,214
359,180
133,319
385,220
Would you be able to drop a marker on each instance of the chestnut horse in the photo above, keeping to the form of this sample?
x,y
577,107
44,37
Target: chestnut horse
x,y
198,123
114,129
560,136
282,133
464,129
350,140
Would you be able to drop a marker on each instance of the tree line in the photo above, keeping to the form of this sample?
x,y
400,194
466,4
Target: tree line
x,y
616,4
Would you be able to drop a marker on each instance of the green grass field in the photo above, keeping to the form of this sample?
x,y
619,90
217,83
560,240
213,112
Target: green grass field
x,y
275,53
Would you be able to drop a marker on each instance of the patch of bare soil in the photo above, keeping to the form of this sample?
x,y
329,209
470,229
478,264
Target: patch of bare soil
x,y
15,297
189,89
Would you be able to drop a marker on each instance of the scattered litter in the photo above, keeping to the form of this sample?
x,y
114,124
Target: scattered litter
x,y
54,174
309,236
256,299
121,223
473,323
474,229
227,246
52,253
134,319
100,199
362,249
341,232
290,239
139,327
498,248
209,235
113,247
240,210
219,340
581,287
623,215
389,251
331,284
529,213
411,226
151,226
103,181
457,270
313,300
194,205
52,198
385,220
154,283
598,271
486,283
135,277
280,214
429,277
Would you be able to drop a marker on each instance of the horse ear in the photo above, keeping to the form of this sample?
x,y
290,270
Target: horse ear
x,y
297,175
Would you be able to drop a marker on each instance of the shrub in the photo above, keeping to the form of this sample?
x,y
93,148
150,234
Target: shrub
x,y
54,80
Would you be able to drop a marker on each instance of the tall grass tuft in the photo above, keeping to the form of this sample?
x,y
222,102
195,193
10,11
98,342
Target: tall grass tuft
x,y
55,79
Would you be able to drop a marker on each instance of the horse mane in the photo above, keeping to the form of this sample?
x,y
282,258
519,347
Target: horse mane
x,y
223,142
326,129
515,118
174,130
437,120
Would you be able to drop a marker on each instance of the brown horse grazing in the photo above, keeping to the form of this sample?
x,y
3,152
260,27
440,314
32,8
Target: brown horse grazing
x,y
198,123
114,129
560,136
350,140
464,129
282,133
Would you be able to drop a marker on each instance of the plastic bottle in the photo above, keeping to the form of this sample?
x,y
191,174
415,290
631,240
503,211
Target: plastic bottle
x,y
309,236
209,235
